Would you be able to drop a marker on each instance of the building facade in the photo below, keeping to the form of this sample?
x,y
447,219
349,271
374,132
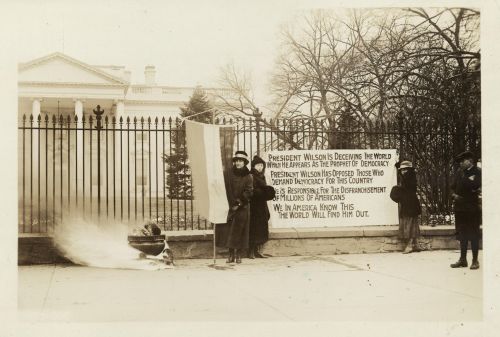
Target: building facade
x,y
57,83
62,163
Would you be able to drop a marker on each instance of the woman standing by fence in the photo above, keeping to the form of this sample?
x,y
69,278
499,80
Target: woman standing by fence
x,y
259,211
238,218
410,209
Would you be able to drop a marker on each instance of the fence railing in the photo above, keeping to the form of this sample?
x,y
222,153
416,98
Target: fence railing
x,y
130,169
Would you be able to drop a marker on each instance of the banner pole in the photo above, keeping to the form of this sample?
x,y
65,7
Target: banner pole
x,y
214,225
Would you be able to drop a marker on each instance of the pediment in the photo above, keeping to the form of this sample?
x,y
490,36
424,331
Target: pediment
x,y
59,68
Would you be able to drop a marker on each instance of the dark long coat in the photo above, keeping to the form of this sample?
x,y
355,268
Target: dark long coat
x,y
259,214
467,185
409,203
235,233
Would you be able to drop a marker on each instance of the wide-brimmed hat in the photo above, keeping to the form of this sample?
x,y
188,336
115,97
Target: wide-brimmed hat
x,y
241,155
258,160
464,155
405,165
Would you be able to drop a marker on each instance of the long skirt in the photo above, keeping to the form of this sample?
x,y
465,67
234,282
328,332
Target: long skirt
x,y
234,234
409,228
467,225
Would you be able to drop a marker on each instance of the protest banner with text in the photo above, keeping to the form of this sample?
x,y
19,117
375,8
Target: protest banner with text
x,y
332,188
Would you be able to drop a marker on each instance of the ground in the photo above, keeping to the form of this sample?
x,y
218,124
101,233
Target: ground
x,y
356,287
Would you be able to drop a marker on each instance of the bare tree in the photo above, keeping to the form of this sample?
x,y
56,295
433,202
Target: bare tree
x,y
239,101
377,64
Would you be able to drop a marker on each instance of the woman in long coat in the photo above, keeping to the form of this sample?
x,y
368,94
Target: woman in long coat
x,y
238,218
259,211
409,207
465,192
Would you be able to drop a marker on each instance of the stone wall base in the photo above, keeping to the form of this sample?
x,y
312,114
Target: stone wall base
x,y
39,249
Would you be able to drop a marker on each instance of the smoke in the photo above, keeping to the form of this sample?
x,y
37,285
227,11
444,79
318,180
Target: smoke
x,y
102,245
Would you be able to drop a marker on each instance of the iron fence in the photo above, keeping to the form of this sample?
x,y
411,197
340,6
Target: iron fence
x,y
118,169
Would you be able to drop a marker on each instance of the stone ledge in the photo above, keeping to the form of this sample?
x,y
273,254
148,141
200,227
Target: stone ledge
x,y
317,232
189,235
439,230
292,233
40,249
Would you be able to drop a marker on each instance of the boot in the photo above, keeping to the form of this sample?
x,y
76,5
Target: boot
x,y
238,256
258,253
230,258
474,265
460,263
251,252
408,248
416,246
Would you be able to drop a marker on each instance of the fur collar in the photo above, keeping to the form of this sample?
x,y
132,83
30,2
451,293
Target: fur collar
x,y
241,172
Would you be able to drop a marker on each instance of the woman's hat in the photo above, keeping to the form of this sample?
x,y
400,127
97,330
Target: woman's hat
x,y
405,165
258,160
241,155
464,155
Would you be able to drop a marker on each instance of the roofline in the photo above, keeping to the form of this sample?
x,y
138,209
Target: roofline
x,y
182,87
107,66
72,84
32,63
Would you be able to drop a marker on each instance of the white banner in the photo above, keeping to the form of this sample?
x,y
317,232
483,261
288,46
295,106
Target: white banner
x,y
332,188
207,168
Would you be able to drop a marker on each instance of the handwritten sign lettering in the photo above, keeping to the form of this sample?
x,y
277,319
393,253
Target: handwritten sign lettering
x,y
332,188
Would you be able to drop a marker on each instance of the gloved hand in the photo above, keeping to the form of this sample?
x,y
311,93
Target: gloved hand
x,y
236,205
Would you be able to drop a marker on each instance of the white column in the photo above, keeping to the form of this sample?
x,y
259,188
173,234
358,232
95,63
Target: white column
x,y
119,113
79,150
78,107
36,112
36,107
120,108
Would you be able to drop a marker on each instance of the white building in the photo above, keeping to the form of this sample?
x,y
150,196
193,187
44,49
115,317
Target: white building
x,y
62,164
57,81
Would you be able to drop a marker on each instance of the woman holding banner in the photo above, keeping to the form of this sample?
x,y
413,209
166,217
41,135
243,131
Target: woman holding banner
x,y
238,218
259,211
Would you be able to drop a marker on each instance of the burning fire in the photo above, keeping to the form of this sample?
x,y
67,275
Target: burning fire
x,y
102,245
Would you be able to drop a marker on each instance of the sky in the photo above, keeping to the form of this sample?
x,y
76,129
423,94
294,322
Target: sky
x,y
187,41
